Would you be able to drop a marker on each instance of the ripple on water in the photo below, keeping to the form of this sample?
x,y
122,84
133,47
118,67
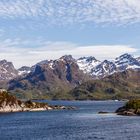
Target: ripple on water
x,y
82,124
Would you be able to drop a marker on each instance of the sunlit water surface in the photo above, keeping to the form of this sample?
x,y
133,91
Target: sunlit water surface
x,y
82,124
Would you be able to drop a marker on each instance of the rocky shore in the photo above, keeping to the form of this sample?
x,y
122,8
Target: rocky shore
x,y
9,103
131,108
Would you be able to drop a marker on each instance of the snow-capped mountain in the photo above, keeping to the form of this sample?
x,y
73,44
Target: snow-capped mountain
x,y
126,61
87,63
90,65
101,69
56,75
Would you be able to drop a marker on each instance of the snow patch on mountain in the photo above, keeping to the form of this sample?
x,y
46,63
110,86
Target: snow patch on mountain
x,y
87,63
24,70
98,69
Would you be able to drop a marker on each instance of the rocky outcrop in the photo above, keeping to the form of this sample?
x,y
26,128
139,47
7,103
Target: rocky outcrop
x,y
131,108
9,103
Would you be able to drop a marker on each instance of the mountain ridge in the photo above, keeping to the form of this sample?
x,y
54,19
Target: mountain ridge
x,y
96,68
55,78
89,65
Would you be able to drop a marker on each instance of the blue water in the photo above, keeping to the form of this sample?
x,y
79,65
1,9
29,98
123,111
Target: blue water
x,y
81,124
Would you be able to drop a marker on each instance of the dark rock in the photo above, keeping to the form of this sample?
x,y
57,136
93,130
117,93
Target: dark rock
x,y
103,112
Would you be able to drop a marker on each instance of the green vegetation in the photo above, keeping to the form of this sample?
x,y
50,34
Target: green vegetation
x,y
133,104
131,108
9,99
105,89
124,85
30,104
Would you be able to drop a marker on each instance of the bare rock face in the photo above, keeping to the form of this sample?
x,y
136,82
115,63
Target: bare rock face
x,y
67,65
54,76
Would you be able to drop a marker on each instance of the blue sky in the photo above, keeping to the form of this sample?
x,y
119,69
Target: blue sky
x,y
34,30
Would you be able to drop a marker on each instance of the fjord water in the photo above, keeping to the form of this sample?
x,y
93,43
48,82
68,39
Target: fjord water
x,y
83,123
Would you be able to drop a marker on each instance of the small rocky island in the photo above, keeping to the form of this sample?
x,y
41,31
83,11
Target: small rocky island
x,y
131,108
9,103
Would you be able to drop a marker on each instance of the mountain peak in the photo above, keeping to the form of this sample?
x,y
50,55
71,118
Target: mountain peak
x,y
106,61
67,58
88,59
7,70
3,61
87,63
125,56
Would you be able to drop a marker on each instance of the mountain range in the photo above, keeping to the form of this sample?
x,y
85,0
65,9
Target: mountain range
x,y
63,77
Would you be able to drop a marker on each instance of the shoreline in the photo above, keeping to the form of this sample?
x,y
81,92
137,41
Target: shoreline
x,y
124,100
9,103
36,109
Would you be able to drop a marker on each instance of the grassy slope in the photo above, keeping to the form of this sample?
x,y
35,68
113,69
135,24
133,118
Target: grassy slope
x,y
125,85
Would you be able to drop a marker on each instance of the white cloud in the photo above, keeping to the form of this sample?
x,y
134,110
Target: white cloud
x,y
11,50
73,11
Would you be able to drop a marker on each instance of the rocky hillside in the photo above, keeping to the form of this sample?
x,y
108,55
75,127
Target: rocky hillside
x,y
55,78
52,79
123,85
9,103
89,65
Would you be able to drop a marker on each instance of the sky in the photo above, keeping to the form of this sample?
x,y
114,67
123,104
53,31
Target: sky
x,y
35,30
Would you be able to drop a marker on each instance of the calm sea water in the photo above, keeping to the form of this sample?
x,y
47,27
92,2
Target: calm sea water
x,y
81,124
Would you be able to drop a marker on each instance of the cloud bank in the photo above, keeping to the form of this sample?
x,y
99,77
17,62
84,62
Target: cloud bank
x,y
12,51
73,11
35,13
